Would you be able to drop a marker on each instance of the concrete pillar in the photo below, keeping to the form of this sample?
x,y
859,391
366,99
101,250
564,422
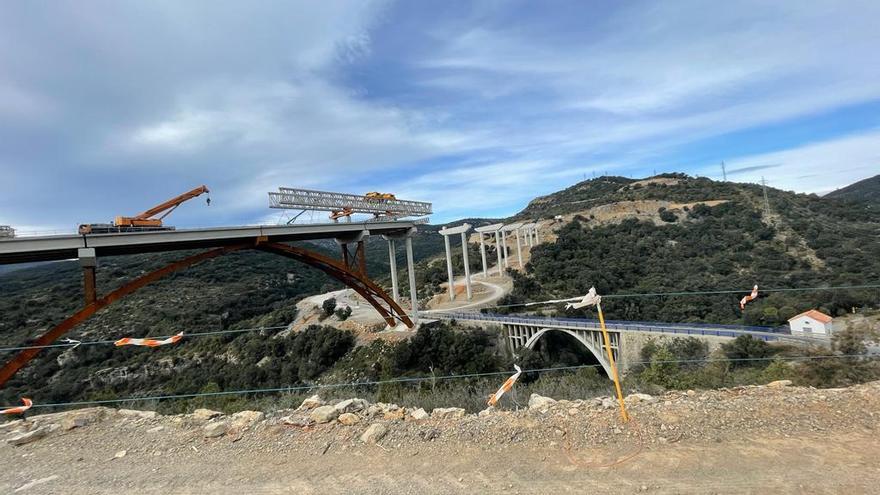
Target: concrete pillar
x,y
392,258
504,247
537,235
89,262
411,272
467,265
518,249
498,251
483,255
449,269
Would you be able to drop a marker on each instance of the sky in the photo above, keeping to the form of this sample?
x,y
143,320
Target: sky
x,y
110,107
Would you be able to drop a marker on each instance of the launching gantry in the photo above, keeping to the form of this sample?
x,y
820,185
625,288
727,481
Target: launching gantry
x,y
343,205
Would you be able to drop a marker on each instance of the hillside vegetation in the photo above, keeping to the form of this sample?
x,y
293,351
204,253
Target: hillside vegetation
x,y
805,241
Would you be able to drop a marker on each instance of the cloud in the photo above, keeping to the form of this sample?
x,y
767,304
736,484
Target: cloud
x,y
112,107
819,167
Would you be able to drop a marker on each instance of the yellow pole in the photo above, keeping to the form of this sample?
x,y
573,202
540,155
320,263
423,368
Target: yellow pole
x,y
616,378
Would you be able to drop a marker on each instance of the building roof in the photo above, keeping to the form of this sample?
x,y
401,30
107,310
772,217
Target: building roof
x,y
816,315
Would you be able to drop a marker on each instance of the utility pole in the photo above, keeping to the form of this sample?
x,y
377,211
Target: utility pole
x,y
723,171
766,201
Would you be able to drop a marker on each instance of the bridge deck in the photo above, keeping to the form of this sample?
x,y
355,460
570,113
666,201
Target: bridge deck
x,y
61,247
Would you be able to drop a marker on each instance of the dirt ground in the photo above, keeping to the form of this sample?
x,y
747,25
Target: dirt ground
x,y
829,463
768,439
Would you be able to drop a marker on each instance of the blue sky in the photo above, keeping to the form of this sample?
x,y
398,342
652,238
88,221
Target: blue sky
x,y
109,107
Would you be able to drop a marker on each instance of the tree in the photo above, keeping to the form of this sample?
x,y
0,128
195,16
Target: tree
x,y
343,313
746,350
329,306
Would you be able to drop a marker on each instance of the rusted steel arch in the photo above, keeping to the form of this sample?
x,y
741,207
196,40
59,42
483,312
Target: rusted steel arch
x,y
22,358
358,281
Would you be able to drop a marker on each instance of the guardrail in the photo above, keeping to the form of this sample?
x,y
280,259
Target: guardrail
x,y
617,325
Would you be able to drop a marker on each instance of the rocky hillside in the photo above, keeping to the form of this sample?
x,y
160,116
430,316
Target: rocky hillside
x,y
783,439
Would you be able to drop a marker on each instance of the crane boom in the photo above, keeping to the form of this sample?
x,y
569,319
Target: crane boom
x,y
144,219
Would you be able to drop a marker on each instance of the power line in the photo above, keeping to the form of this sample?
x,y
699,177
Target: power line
x,y
695,293
430,378
98,342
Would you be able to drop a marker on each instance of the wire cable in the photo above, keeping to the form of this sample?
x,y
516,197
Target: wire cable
x,y
97,342
296,388
693,293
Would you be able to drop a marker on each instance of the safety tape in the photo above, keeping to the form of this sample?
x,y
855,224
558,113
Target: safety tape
x,y
148,342
505,387
20,409
750,297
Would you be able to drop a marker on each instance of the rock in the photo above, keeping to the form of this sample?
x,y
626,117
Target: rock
x,y
120,454
639,398
448,413
486,412
205,414
31,436
395,415
134,413
429,435
608,403
779,384
349,419
11,425
352,405
374,433
156,429
691,393
299,422
312,402
215,429
72,422
419,414
324,414
540,402
28,486
573,411
246,419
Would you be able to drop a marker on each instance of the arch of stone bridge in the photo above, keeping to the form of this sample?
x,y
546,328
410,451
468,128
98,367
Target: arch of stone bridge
x,y
391,312
599,353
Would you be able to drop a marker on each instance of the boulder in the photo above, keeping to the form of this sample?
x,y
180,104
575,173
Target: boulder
x,y
215,429
419,414
324,414
448,413
374,433
779,384
312,402
246,419
348,419
540,402
134,413
639,398
205,414
28,437
352,405
395,415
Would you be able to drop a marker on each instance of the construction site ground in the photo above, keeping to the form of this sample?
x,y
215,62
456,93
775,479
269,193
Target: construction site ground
x,y
769,439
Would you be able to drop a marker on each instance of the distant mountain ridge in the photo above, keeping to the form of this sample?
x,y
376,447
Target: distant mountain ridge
x,y
863,190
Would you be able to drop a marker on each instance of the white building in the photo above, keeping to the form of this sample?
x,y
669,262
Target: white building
x,y
811,322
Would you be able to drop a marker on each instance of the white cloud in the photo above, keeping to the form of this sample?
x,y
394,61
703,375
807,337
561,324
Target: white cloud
x,y
814,168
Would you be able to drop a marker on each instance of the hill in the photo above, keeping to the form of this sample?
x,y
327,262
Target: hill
x,y
675,233
863,190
